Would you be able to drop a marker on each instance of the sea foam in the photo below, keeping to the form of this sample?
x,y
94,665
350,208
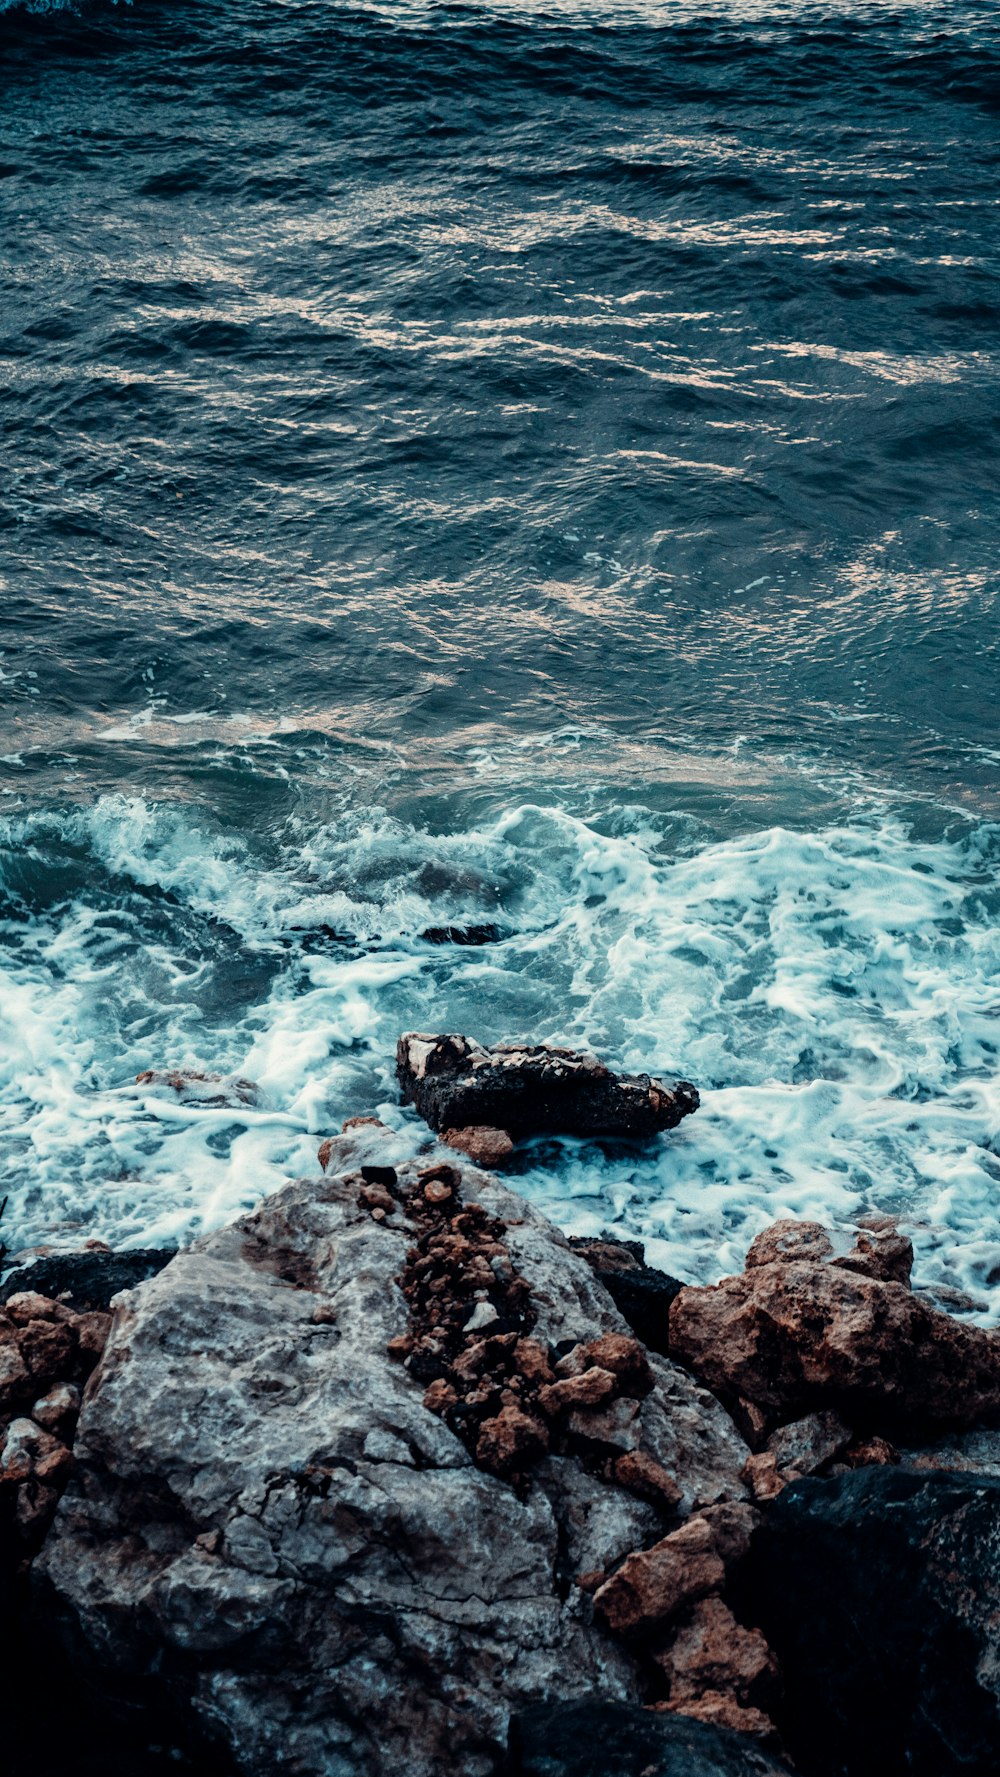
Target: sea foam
x,y
832,992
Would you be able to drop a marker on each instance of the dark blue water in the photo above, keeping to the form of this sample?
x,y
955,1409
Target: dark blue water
x,y
519,464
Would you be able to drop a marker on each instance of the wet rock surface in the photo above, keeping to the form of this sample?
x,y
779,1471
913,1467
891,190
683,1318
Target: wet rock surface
x,y
456,1083
880,1591
806,1330
86,1279
596,1737
324,1568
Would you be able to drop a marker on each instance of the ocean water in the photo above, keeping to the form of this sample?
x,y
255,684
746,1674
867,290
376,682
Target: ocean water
x,y
518,465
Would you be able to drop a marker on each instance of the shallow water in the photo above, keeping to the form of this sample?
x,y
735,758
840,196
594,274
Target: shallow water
x,y
514,465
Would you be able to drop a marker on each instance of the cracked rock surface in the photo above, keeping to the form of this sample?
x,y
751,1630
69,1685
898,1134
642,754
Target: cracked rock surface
x,y
267,1516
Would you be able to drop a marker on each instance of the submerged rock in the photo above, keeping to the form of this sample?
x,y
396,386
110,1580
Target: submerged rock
x,y
273,1523
880,1591
805,1330
598,1737
456,1083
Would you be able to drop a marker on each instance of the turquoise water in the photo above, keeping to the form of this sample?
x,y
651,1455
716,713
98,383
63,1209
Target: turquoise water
x,y
514,465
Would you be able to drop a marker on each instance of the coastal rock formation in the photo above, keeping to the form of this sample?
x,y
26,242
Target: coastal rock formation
x,y
807,1329
597,1737
353,1466
880,1591
456,1083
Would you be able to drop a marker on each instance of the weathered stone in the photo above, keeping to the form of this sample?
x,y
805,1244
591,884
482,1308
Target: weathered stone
x,y
484,1146
652,1585
712,1654
589,1389
57,1411
880,1593
806,1444
268,1523
798,1332
26,1451
511,1441
616,1426
455,1083
597,1737
641,1294
641,1474
617,1352
85,1279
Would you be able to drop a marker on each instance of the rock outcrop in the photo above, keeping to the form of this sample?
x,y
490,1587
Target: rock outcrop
x,y
880,1591
807,1329
597,1737
455,1083
348,1508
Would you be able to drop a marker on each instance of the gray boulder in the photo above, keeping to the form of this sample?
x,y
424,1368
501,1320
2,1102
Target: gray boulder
x,y
269,1525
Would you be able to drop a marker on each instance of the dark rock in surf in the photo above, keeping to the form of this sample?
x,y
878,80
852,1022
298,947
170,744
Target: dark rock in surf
x,y
455,1082
880,1592
599,1737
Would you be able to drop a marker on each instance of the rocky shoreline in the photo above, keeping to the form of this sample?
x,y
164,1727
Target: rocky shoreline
x,y
391,1475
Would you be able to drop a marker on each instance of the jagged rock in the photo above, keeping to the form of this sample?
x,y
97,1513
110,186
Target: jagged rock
x,y
455,1082
880,1592
806,1444
652,1585
641,1294
807,1330
484,1146
86,1279
714,1658
597,1737
268,1520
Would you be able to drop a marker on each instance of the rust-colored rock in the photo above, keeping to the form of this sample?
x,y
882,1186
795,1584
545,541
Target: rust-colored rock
x,y
713,1659
511,1441
618,1352
800,1332
590,1389
484,1145
652,1585
643,1475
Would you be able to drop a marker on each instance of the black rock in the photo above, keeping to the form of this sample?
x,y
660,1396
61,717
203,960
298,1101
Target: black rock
x,y
641,1294
455,1082
89,1278
880,1593
595,1737
465,935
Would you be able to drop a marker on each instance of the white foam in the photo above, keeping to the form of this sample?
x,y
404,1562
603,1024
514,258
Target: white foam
x,y
834,993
